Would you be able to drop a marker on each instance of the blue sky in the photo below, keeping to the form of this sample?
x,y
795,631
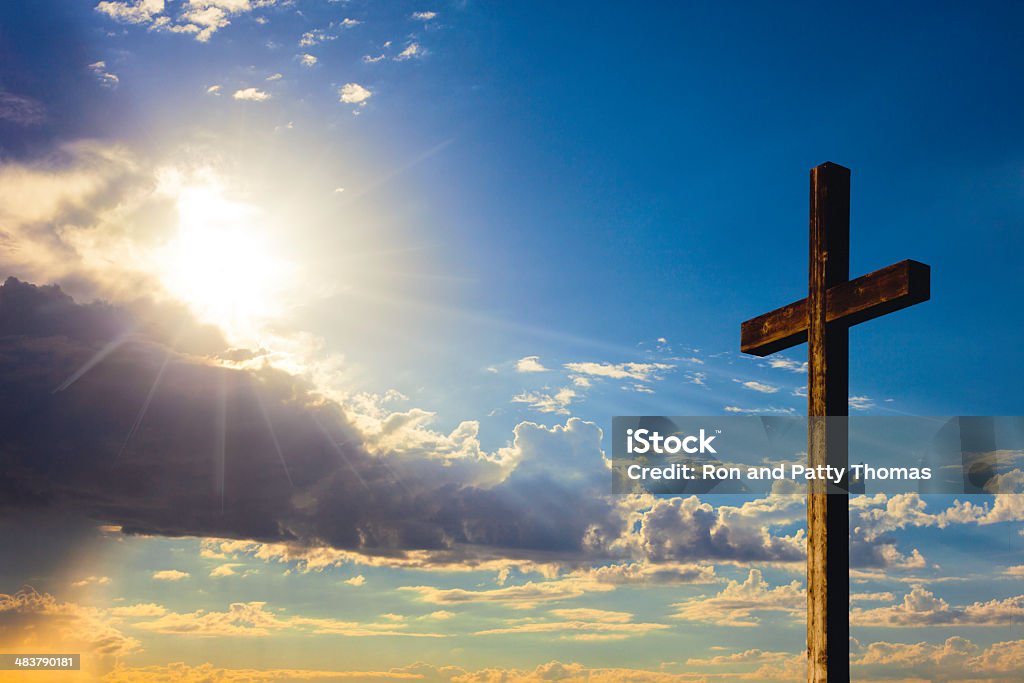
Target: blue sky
x,y
456,238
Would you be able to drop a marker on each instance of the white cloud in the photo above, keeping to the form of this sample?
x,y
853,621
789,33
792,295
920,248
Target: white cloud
x,y
641,372
105,78
759,411
224,570
356,580
199,18
353,93
413,50
349,23
307,60
275,77
530,364
170,575
423,16
251,95
787,364
557,402
736,603
861,402
315,37
367,59
920,607
214,90
138,12
759,387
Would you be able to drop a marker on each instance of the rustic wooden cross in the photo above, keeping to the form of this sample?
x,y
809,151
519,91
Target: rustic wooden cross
x,y
833,304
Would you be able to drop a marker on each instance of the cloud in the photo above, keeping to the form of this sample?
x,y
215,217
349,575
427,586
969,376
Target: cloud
x,y
759,387
138,12
170,575
214,89
106,79
199,18
251,95
357,580
530,364
861,402
21,109
367,59
360,478
202,673
224,570
557,403
253,620
783,363
30,619
580,624
315,37
353,93
274,77
91,581
922,608
423,16
642,372
524,596
411,51
688,529
147,609
736,604
770,410
307,60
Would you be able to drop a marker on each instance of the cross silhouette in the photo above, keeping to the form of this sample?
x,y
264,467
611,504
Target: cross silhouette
x,y
833,304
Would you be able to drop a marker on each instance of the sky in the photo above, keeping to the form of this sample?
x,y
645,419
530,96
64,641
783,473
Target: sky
x,y
316,315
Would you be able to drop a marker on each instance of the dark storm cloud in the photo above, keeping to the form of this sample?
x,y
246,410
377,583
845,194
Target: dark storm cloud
x,y
238,454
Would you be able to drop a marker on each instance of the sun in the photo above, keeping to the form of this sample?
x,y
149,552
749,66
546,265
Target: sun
x,y
223,262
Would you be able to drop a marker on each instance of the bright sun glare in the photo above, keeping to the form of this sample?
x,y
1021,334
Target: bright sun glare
x,y
222,262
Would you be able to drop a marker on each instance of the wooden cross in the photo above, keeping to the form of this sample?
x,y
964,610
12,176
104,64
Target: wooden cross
x,y
833,304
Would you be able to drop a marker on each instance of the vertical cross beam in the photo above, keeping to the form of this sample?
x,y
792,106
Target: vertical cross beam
x,y
828,550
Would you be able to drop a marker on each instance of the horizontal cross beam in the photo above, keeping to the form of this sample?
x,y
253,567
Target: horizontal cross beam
x,y
886,290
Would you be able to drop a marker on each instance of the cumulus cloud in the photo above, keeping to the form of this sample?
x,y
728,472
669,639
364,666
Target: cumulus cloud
x,y
315,37
424,16
170,575
736,604
138,12
353,93
33,621
530,364
251,95
922,608
307,60
198,18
